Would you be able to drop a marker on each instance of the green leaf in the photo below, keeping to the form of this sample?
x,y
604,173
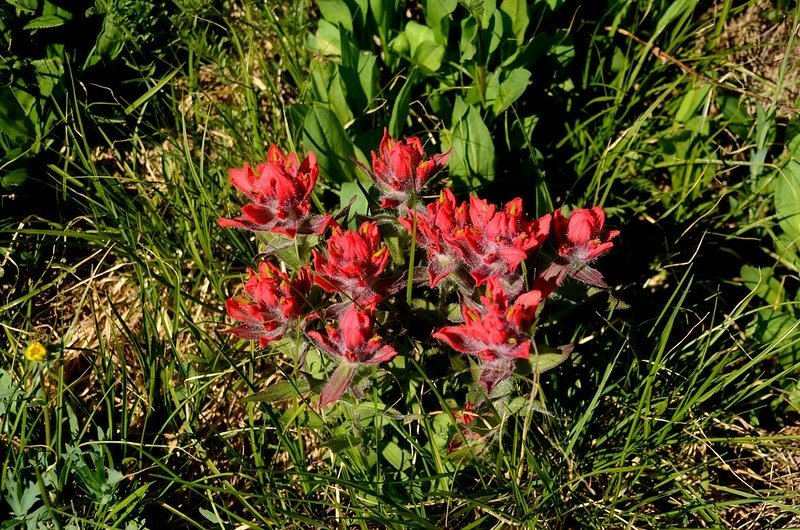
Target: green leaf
x,y
472,158
437,15
517,11
210,516
49,72
336,12
326,41
482,10
350,194
397,457
383,11
328,87
675,10
13,119
45,21
547,358
275,392
511,89
323,133
14,178
428,55
692,100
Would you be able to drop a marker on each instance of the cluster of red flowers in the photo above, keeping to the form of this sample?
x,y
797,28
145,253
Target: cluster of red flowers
x,y
472,247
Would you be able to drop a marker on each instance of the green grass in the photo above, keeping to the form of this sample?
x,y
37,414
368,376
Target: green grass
x,y
674,412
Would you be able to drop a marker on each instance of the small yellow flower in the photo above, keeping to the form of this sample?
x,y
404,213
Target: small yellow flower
x,y
35,352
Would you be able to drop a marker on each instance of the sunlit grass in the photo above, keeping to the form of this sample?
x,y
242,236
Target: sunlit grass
x,y
671,412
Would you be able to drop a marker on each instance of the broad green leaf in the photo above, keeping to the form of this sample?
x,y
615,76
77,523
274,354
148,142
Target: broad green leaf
x,y
511,89
383,11
326,40
49,72
547,361
495,28
429,55
692,101
437,15
336,12
422,46
342,442
517,11
469,36
45,21
323,133
329,88
13,120
14,178
397,457
675,10
417,33
472,158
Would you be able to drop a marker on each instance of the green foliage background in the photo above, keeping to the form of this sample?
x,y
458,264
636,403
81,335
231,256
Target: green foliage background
x,y
114,148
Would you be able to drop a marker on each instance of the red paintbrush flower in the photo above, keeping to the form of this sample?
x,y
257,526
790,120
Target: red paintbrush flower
x,y
280,190
486,242
580,239
276,302
354,263
352,344
400,169
496,332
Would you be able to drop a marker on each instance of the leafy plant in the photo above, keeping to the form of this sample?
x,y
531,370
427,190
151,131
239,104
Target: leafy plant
x,y
456,70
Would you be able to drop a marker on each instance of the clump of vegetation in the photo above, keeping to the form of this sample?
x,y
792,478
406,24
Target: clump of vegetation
x,y
125,404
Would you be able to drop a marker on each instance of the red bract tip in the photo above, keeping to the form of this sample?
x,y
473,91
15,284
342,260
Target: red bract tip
x,y
400,169
280,190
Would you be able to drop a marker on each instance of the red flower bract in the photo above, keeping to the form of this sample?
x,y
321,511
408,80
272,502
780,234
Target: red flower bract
x,y
353,343
276,301
400,169
280,190
354,263
496,333
487,242
580,239
441,217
